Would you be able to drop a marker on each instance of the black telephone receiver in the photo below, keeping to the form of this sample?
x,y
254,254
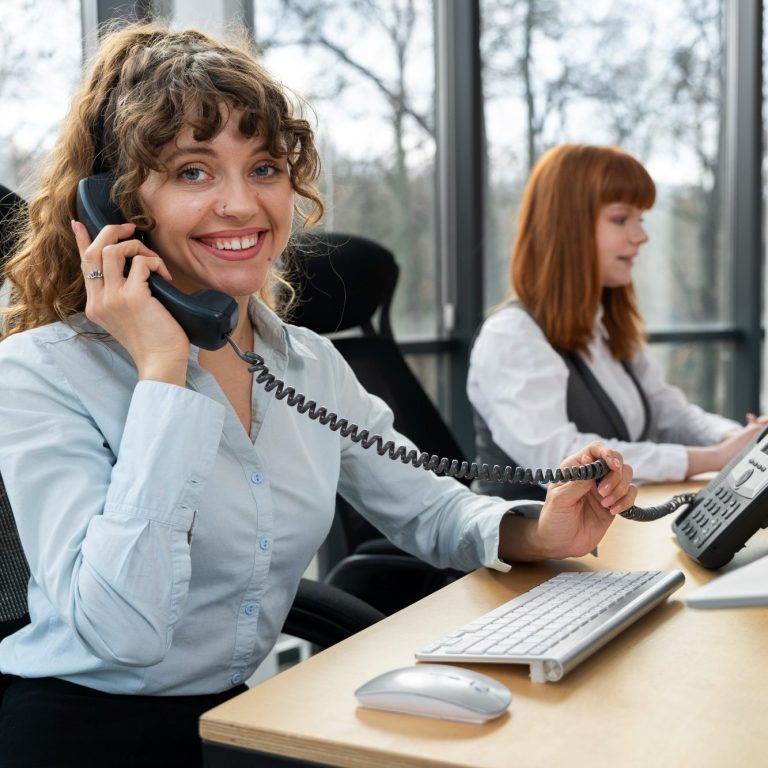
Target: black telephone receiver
x,y
726,513
207,316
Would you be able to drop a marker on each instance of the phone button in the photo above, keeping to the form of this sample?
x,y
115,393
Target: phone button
x,y
744,476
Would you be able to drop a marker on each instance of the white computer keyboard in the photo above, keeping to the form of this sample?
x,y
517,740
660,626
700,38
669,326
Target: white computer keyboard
x,y
555,626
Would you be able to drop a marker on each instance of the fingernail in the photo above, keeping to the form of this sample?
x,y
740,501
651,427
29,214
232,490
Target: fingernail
x,y
616,463
73,224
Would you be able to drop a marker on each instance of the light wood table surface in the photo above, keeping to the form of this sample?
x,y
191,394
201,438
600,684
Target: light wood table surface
x,y
681,687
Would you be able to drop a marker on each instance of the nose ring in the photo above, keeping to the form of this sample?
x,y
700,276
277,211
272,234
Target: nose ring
x,y
224,209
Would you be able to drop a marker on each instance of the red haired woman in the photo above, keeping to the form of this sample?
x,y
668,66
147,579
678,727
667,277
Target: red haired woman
x,y
565,360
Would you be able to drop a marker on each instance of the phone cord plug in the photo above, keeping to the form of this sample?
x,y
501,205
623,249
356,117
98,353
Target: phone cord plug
x,y
647,514
433,463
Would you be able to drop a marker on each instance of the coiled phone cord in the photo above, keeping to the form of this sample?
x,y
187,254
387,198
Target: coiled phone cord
x,y
440,466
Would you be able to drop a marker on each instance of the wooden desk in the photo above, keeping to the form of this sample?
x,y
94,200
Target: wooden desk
x,y
682,687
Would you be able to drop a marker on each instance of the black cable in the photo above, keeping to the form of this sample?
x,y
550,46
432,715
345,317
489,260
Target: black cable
x,y
441,466
647,514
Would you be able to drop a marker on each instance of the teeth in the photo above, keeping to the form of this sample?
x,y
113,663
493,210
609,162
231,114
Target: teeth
x,y
235,244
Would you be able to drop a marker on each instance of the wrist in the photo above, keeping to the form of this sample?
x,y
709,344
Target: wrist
x,y
167,372
519,539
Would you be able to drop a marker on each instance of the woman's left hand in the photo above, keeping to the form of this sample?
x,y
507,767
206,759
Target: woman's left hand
x,y
577,514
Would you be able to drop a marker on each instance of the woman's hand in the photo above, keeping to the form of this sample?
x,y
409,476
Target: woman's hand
x,y
712,458
576,514
124,306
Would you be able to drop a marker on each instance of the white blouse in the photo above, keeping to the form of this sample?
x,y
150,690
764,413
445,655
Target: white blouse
x,y
518,384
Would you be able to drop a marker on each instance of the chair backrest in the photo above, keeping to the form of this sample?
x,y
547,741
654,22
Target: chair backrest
x,y
11,205
344,283
14,571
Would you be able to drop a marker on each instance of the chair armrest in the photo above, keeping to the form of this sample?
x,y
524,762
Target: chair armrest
x,y
389,582
323,614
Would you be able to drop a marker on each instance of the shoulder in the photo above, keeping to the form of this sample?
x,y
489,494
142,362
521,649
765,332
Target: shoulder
x,y
510,323
34,341
58,351
308,343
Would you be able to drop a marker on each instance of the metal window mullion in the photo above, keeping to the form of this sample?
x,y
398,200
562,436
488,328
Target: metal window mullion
x,y
459,113
743,115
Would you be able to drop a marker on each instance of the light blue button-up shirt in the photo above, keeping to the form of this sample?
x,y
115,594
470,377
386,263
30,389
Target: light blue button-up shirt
x,y
165,544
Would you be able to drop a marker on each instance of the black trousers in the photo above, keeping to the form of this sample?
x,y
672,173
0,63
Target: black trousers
x,y
49,723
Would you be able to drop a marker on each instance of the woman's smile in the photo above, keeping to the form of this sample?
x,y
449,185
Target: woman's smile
x,y
233,245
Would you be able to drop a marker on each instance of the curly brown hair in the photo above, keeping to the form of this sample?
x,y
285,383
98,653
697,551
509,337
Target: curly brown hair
x,y
554,269
145,85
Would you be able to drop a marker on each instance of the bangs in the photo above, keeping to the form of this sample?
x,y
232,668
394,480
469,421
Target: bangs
x,y
207,114
624,180
199,92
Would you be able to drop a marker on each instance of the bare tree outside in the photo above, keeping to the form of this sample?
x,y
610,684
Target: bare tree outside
x,y
40,59
375,65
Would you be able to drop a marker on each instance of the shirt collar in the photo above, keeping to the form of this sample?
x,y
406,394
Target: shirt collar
x,y
274,332
599,329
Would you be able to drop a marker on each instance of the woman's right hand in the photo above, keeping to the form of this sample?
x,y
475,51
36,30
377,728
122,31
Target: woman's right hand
x,y
712,458
124,306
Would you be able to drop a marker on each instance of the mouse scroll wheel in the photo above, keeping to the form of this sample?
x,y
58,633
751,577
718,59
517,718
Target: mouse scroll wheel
x,y
480,688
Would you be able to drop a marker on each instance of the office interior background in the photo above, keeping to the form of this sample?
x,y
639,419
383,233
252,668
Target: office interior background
x,y
429,116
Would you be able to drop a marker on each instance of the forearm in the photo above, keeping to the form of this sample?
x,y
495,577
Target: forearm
x,y
703,459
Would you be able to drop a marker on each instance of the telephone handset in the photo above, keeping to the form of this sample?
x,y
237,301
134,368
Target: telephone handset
x,y
724,514
206,316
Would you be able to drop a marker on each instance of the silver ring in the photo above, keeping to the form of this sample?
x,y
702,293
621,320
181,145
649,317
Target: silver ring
x,y
95,274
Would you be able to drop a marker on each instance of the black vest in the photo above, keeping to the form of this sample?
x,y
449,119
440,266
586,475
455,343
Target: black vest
x,y
588,406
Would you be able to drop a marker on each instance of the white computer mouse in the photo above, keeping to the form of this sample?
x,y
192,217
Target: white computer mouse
x,y
436,690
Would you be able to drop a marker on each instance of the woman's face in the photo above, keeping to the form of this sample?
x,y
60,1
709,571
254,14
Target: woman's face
x,y
619,235
223,210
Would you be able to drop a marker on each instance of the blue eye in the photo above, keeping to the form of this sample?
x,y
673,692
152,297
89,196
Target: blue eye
x,y
266,170
193,174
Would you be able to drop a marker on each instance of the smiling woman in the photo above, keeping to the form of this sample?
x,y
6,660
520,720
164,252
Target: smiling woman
x,y
564,361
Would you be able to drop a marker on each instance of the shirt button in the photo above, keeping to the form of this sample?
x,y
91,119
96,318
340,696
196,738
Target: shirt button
x,y
257,478
237,678
250,609
265,544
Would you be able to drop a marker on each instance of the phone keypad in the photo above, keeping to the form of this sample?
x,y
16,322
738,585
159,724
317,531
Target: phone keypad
x,y
710,516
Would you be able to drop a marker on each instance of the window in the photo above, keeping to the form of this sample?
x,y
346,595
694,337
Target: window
x,y
40,66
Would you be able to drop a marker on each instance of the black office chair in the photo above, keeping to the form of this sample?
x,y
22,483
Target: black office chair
x,y
345,283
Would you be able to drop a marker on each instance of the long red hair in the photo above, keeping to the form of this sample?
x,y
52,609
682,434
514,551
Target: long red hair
x,y
554,270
